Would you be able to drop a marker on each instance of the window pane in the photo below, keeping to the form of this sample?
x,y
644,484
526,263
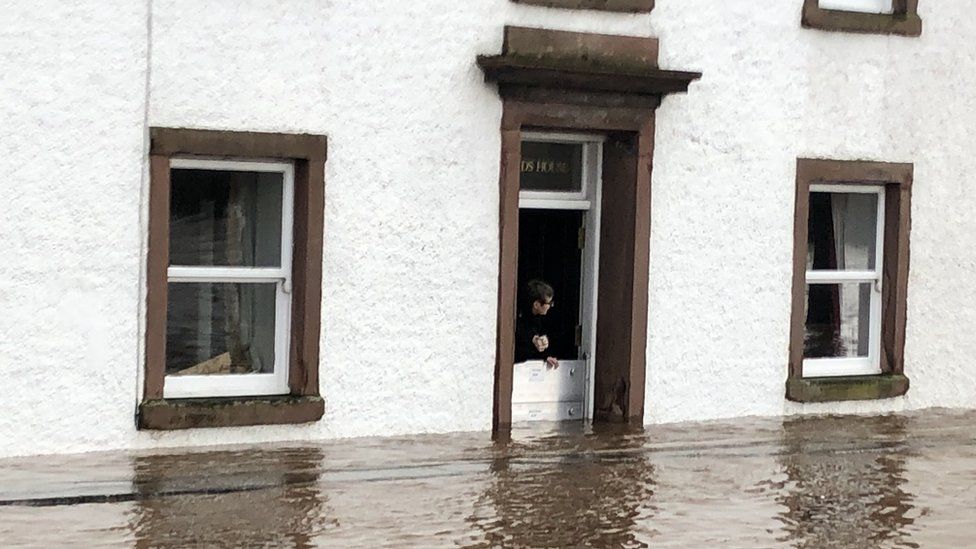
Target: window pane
x,y
838,320
225,218
552,167
866,6
842,231
220,328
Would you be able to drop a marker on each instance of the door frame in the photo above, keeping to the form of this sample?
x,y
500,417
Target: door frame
x,y
587,201
624,239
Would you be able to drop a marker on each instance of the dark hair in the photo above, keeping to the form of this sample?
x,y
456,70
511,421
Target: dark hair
x,y
537,290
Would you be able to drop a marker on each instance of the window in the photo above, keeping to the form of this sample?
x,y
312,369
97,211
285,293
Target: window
x,y
234,279
843,281
229,278
850,280
864,6
898,17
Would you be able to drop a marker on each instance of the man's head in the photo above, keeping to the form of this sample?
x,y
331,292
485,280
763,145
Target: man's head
x,y
540,296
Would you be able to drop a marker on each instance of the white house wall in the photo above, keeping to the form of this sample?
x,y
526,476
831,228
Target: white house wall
x,y
411,242
72,153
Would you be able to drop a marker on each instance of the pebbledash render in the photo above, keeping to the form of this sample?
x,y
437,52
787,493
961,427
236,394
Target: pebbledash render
x,y
310,220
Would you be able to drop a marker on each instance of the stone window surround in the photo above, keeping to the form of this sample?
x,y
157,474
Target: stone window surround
x,y
904,20
897,180
624,6
303,404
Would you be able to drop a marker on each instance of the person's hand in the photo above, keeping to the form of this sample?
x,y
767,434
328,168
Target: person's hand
x,y
552,362
541,342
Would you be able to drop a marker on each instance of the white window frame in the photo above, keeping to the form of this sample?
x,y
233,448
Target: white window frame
x,y
566,200
202,386
859,6
871,364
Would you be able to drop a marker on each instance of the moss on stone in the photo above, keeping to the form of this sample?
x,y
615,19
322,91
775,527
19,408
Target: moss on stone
x,y
833,389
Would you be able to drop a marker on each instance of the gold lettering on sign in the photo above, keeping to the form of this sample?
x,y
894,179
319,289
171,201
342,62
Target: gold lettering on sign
x,y
540,165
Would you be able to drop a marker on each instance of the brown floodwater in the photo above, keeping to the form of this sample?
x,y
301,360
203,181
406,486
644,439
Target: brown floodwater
x,y
890,481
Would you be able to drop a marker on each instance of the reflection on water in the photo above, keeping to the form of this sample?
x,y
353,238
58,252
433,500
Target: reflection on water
x,y
585,494
218,498
893,481
851,498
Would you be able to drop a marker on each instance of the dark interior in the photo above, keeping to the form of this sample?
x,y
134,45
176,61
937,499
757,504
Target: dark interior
x,y
549,250
823,300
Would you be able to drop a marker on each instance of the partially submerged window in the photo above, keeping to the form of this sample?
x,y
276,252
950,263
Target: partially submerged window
x,y
233,279
552,167
850,280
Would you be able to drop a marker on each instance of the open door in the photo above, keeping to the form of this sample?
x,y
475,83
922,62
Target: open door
x,y
560,81
558,244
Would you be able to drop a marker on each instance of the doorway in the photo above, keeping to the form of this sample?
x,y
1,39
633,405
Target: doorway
x,y
558,243
621,168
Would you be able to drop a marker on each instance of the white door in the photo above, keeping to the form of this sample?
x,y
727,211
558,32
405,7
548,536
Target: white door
x,y
561,189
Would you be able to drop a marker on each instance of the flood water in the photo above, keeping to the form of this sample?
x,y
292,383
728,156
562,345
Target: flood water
x,y
891,481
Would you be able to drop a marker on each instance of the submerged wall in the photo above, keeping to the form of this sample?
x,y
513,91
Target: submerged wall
x,y
411,217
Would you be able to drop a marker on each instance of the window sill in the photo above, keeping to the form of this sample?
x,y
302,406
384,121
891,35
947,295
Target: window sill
x,y
835,389
626,6
902,24
198,413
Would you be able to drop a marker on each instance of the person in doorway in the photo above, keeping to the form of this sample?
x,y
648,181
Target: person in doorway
x,y
531,339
